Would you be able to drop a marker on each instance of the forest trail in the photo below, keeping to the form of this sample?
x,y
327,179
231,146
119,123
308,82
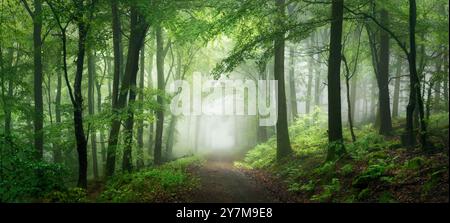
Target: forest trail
x,y
221,182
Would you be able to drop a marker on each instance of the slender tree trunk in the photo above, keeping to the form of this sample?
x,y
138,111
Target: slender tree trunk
x,y
428,101
170,137
317,87
9,93
336,147
78,103
437,86
38,100
157,159
445,84
283,141
118,54
140,130
93,135
396,100
292,89
57,155
262,130
348,76
353,87
311,65
98,86
151,124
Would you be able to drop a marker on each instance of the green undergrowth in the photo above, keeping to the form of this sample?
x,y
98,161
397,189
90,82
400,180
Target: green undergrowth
x,y
165,183
375,169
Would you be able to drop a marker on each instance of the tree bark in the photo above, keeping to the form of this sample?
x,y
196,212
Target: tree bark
x,y
336,146
98,86
157,159
138,29
445,84
140,130
118,54
78,102
396,100
283,141
415,96
38,99
293,92
383,78
93,135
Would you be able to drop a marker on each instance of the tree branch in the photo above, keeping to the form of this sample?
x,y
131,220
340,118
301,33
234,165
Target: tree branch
x,y
27,7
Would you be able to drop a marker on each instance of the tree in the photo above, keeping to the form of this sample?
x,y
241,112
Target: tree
x,y
140,129
383,77
138,29
396,99
336,147
91,80
36,16
283,141
157,159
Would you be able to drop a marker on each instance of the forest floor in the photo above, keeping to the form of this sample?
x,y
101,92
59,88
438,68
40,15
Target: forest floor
x,y
220,181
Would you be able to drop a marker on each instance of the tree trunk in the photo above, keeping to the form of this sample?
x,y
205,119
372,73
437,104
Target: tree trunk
x,y
157,159
98,86
283,141
445,84
128,131
311,65
428,102
137,34
317,87
292,89
78,103
118,54
93,135
262,130
38,100
170,137
437,86
348,76
353,87
150,86
396,100
383,79
57,155
9,94
140,130
336,147
415,93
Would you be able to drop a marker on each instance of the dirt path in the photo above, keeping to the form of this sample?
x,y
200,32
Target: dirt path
x,y
220,182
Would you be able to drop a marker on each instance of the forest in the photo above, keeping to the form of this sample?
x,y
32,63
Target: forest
x,y
224,101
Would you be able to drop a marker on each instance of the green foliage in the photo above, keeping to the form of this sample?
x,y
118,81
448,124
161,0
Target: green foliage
x,y
347,169
261,156
414,163
71,195
372,173
158,184
364,194
328,191
386,197
33,179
